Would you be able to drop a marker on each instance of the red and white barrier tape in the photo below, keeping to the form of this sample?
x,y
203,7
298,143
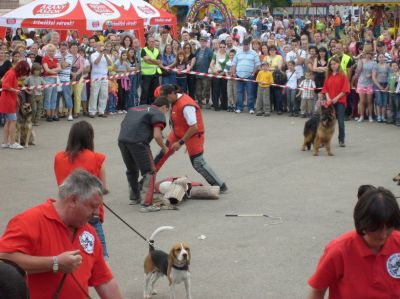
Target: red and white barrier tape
x,y
123,75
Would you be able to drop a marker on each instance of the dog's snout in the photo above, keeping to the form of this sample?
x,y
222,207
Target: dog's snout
x,y
184,255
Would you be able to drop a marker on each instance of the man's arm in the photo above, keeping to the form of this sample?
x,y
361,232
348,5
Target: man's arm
x,y
68,261
157,135
109,290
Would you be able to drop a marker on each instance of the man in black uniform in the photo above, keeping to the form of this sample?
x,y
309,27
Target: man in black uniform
x,y
140,125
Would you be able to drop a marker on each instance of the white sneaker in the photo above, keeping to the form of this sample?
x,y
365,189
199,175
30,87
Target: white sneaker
x,y
360,120
16,146
5,145
371,119
251,111
70,118
237,111
119,112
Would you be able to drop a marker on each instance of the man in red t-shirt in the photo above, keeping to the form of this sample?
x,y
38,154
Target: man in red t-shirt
x,y
55,245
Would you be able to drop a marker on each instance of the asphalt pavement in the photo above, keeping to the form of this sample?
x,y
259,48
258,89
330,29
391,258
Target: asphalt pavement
x,y
266,173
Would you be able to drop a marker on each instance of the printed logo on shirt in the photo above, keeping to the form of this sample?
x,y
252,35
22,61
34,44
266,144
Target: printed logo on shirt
x,y
87,242
393,265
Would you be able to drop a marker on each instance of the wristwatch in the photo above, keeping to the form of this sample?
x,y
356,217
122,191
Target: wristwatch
x,y
55,264
181,142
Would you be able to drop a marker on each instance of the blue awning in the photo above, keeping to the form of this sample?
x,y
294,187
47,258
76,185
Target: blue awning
x,y
180,2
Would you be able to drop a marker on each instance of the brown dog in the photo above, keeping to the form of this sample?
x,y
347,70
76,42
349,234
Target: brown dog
x,y
319,130
25,135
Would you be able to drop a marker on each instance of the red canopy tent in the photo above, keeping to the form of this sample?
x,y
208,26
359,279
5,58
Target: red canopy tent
x,y
87,15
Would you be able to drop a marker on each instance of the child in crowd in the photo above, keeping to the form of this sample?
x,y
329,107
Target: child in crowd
x,y
35,96
291,86
394,117
122,66
307,95
112,95
264,79
231,84
181,64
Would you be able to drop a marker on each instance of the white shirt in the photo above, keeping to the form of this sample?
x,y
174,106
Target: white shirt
x,y
292,79
241,31
292,56
189,113
98,70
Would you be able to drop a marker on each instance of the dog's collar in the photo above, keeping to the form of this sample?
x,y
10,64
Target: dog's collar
x,y
185,267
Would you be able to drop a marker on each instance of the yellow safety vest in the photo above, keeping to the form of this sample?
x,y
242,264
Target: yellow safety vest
x,y
147,68
343,63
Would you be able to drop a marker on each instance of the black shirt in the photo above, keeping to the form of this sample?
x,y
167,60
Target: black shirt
x,y
138,124
5,67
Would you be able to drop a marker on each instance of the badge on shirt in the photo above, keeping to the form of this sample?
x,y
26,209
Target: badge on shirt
x,y
393,265
87,242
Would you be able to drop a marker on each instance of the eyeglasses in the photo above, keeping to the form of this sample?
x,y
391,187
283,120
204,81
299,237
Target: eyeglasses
x,y
222,47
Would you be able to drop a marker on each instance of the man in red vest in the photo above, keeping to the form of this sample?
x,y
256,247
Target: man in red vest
x,y
188,129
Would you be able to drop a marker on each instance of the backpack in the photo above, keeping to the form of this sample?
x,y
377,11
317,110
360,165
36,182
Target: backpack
x,y
279,77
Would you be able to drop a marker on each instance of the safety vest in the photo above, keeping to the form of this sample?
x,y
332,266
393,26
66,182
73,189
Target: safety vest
x,y
147,68
344,62
179,124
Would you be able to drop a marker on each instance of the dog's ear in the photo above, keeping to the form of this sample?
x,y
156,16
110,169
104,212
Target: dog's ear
x,y
171,256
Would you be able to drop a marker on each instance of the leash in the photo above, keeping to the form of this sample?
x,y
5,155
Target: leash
x,y
126,223
59,287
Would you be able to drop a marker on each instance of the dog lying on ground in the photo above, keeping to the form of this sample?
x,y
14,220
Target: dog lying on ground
x,y
174,265
319,130
397,179
25,134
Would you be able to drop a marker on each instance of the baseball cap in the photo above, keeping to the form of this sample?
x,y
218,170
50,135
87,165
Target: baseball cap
x,y
265,63
203,38
247,41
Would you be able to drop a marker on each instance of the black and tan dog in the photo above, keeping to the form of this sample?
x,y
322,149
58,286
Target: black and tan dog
x,y
319,130
174,265
25,134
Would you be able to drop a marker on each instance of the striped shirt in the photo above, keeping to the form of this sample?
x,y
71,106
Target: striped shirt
x,y
246,62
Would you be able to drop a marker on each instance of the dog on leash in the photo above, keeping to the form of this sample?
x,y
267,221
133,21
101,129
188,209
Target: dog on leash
x,y
25,134
319,130
397,179
174,265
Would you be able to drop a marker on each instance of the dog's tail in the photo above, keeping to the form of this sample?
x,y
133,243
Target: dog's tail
x,y
153,235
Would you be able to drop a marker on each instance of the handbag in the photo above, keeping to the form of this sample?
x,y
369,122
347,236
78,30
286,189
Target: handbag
x,y
74,69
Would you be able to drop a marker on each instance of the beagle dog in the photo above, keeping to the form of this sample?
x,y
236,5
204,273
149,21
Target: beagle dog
x,y
174,265
397,179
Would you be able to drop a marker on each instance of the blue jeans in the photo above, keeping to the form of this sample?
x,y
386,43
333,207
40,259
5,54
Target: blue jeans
x,y
170,79
381,97
98,227
50,94
241,88
66,93
396,107
182,83
111,103
337,32
291,98
340,109
133,98
277,96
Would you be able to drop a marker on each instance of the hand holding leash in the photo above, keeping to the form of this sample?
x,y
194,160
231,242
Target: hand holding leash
x,y
69,261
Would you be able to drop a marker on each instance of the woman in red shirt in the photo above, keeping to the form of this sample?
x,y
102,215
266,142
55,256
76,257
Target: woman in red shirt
x,y
80,154
336,88
8,103
51,68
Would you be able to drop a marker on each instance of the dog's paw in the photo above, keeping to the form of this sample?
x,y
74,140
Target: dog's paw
x,y
154,292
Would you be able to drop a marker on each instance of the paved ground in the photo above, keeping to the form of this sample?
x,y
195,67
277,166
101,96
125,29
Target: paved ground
x,y
266,173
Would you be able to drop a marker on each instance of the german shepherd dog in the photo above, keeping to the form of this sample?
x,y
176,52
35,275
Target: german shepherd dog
x,y
319,130
25,134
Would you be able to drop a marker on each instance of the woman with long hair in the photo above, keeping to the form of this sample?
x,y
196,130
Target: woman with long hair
x,y
219,87
132,99
365,84
79,153
126,44
122,66
8,103
320,68
191,79
336,88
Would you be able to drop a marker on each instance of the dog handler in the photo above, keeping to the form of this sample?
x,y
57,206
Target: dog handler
x,y
140,125
55,245
188,129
